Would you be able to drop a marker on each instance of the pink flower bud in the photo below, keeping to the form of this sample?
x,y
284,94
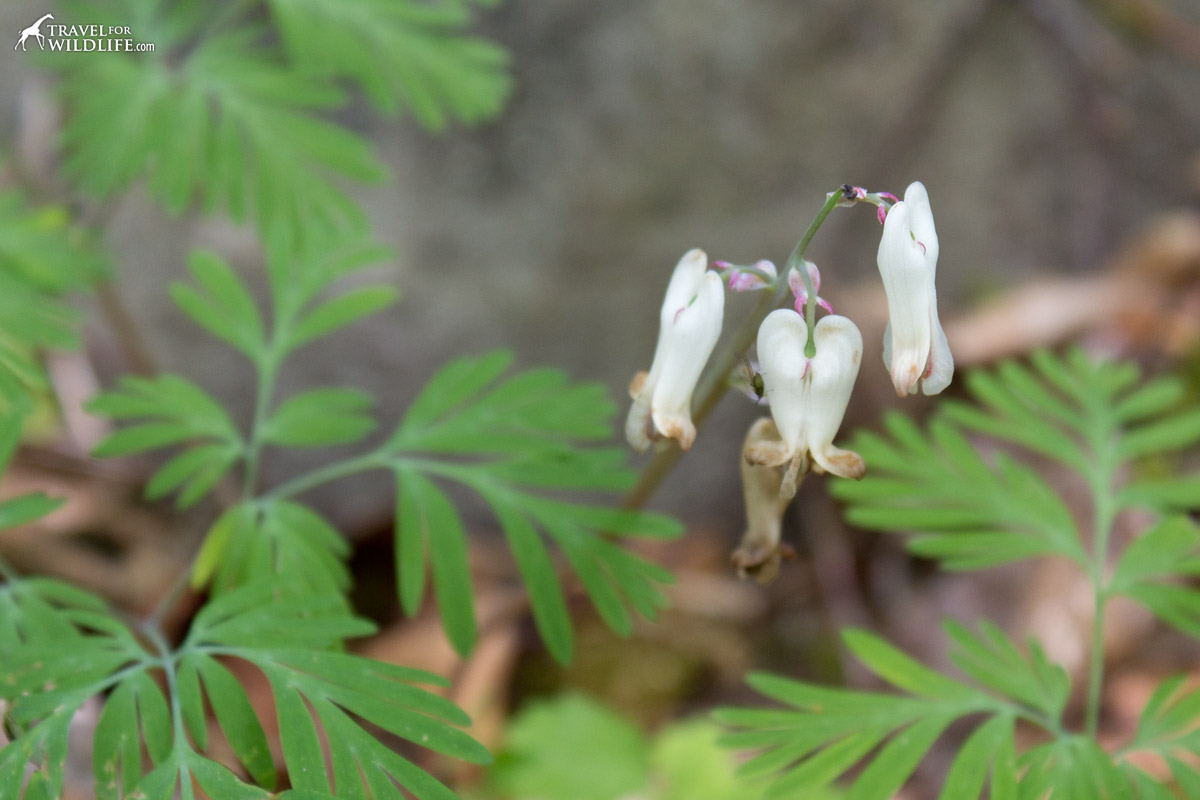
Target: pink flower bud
x,y
760,275
796,283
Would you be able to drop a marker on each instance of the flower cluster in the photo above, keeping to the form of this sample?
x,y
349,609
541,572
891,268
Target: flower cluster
x,y
808,367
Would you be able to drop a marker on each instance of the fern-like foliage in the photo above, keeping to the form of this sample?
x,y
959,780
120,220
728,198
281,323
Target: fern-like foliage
x,y
230,120
526,444
403,54
71,648
1167,731
42,261
826,732
973,506
278,542
1100,420
229,127
512,441
172,410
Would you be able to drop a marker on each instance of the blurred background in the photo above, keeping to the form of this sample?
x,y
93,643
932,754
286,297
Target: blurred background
x,y
1059,141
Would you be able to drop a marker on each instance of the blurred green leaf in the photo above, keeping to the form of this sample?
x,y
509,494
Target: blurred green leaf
x,y
171,410
225,308
341,311
277,543
1149,566
320,417
223,122
403,53
60,647
571,748
428,524
991,659
42,261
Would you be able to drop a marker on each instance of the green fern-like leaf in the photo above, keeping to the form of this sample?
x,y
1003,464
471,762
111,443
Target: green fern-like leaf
x,y
1167,730
402,53
277,542
971,511
825,733
285,640
1151,567
225,126
25,508
42,261
828,732
67,650
171,410
517,442
969,514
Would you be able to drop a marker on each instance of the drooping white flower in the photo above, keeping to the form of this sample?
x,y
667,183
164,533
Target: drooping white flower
x,y
915,349
808,396
689,325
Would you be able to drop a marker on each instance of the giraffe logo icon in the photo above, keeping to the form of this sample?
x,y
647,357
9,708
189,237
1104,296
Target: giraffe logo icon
x,y
34,30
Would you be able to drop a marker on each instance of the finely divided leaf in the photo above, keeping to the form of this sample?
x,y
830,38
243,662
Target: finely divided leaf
x,y
991,659
827,732
403,53
969,514
171,410
343,310
332,691
1168,551
225,307
518,442
223,123
320,417
44,261
431,525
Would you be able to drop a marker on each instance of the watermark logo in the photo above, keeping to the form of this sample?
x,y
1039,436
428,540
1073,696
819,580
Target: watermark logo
x,y
34,30
82,38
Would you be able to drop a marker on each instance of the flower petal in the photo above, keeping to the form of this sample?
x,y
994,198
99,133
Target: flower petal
x,y
940,368
781,341
921,219
688,342
908,280
834,370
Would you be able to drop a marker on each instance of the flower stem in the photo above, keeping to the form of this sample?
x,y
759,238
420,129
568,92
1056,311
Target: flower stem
x,y
1104,511
1095,666
715,383
267,372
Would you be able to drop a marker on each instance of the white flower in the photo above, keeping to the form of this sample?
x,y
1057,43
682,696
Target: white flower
x,y
915,349
690,324
808,396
